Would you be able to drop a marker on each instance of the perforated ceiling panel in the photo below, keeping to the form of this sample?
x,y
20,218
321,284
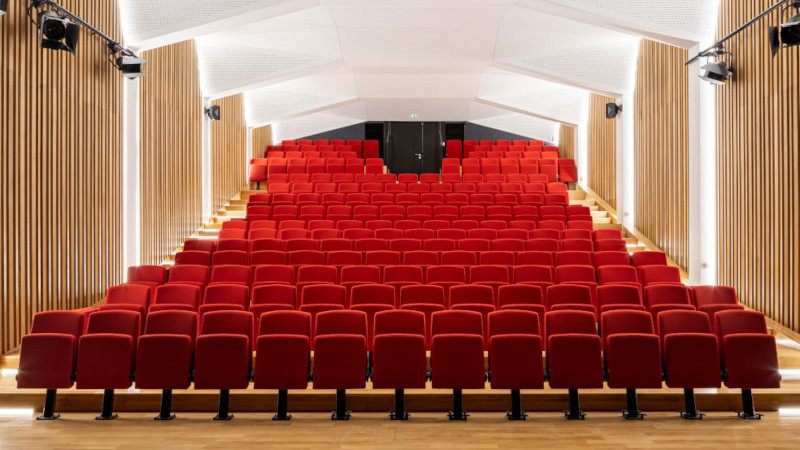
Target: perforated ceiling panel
x,y
145,19
225,66
608,67
318,123
691,19
523,125
563,104
268,105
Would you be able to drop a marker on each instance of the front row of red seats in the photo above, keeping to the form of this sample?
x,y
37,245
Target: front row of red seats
x,y
171,354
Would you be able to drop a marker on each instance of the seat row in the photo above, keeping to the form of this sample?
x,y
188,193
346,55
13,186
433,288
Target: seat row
x,y
280,207
368,290
520,230
494,275
465,188
407,178
472,252
627,353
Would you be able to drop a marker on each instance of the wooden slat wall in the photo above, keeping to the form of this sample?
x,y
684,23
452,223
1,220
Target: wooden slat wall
x,y
566,142
758,168
661,149
262,137
170,153
602,150
228,151
60,169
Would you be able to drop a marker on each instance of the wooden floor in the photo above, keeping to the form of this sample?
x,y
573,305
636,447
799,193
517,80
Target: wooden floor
x,y
424,430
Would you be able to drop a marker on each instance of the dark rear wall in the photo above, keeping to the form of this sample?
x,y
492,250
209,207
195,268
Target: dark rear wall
x,y
472,131
353,132
475,132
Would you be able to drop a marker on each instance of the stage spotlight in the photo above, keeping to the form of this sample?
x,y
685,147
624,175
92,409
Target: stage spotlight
x,y
788,34
131,66
213,113
612,110
717,72
3,7
57,32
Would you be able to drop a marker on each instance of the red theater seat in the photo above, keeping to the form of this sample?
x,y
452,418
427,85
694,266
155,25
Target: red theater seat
x,y
426,299
106,355
283,347
749,355
632,354
690,355
398,357
515,349
48,355
223,355
457,355
665,297
340,355
174,296
573,355
165,354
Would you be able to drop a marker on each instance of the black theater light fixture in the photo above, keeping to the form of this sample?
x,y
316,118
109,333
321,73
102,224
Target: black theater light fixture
x,y
718,71
612,110
59,30
3,7
788,34
213,113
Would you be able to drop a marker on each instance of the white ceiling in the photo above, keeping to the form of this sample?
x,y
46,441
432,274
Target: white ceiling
x,y
518,65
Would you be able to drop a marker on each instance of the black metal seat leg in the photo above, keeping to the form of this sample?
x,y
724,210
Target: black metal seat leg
x,y
108,406
749,408
341,412
399,412
632,413
574,412
48,412
690,413
458,412
166,406
283,406
516,412
224,406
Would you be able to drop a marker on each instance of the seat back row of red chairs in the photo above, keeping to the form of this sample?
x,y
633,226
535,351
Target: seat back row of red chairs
x,y
629,352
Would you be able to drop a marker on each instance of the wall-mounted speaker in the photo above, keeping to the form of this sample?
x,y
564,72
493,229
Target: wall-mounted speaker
x,y
213,113
612,110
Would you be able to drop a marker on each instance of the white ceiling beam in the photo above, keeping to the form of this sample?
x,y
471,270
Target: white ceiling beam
x,y
305,113
553,78
609,23
316,70
524,112
230,20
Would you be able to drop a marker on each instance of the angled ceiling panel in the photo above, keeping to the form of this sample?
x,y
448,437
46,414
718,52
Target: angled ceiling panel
x,y
145,20
319,122
687,19
225,66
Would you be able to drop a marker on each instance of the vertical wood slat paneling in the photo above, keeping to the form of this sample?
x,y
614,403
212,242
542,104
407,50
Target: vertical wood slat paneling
x,y
602,150
262,137
566,142
228,151
170,150
661,149
758,167
60,169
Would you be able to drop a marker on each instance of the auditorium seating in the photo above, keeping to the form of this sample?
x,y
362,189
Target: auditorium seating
x,y
341,274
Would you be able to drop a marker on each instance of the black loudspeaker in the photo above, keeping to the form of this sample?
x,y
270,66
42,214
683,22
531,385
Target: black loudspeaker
x,y
213,113
612,110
